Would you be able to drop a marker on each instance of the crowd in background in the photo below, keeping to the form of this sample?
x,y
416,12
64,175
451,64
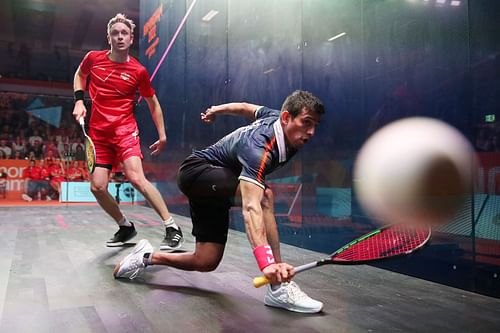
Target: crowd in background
x,y
56,153
43,177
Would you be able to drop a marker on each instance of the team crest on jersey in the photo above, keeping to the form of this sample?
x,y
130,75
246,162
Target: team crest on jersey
x,y
125,76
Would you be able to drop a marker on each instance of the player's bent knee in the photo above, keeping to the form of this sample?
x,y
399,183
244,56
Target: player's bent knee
x,y
98,188
139,186
138,181
208,266
206,263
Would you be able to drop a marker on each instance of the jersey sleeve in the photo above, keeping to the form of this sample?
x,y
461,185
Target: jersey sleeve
x,y
255,160
145,87
26,173
87,62
264,112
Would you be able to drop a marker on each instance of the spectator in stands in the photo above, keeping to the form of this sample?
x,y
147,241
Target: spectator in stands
x,y
80,153
37,148
50,155
50,148
17,156
47,132
35,137
34,181
57,175
75,172
44,165
66,153
5,148
19,146
63,147
30,156
76,144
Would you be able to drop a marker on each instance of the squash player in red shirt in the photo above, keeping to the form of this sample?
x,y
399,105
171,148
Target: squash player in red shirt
x,y
115,77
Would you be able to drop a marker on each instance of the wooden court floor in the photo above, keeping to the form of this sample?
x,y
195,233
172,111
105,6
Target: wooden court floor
x,y
56,276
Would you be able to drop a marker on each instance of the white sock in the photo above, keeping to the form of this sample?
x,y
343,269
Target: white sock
x,y
170,223
124,222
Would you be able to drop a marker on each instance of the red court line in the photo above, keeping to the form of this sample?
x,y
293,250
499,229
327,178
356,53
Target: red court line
x,y
60,221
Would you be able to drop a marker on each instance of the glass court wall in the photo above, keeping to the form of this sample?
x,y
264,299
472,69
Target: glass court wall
x,y
371,62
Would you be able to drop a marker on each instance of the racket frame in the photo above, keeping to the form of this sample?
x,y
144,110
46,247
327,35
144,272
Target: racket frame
x,y
88,143
262,280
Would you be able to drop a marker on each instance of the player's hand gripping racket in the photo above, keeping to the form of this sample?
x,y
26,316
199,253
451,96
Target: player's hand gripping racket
x,y
89,148
389,241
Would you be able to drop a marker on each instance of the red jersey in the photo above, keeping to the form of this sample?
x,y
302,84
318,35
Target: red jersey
x,y
34,173
45,173
56,170
112,89
75,173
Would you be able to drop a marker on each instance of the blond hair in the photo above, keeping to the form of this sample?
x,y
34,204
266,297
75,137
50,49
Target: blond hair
x,y
121,18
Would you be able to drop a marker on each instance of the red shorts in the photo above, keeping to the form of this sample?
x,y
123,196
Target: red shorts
x,y
111,150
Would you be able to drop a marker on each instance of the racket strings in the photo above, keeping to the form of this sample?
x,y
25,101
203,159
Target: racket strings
x,y
394,240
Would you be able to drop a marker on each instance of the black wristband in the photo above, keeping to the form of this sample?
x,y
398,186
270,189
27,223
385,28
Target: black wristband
x,y
79,94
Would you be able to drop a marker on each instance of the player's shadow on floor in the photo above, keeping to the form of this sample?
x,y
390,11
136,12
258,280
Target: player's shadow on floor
x,y
226,300
186,290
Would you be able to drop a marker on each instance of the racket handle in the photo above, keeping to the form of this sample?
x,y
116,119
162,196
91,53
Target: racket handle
x,y
260,281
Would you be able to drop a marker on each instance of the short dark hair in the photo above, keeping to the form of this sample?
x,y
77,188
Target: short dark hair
x,y
301,99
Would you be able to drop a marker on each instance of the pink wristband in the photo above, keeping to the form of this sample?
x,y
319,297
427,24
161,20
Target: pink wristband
x,y
264,256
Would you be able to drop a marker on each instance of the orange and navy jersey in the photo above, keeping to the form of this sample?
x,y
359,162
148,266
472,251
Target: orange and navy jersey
x,y
112,88
252,151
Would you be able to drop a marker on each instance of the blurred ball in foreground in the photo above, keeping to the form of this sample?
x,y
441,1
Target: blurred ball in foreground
x,y
415,170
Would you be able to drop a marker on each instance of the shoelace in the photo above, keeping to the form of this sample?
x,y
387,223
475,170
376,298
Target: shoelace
x,y
135,266
294,292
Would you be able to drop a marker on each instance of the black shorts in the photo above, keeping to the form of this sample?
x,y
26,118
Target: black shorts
x,y
211,192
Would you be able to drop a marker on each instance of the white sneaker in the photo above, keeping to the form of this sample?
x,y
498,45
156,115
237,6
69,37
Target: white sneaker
x,y
26,197
289,296
133,264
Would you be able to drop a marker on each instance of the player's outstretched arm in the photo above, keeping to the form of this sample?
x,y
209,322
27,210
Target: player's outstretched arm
x,y
251,196
246,110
